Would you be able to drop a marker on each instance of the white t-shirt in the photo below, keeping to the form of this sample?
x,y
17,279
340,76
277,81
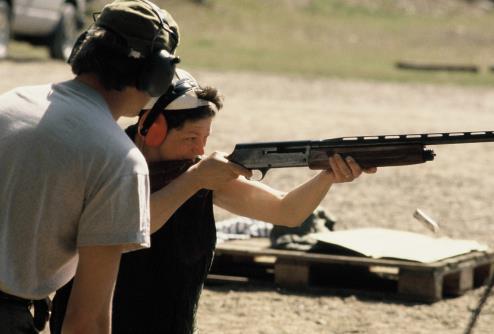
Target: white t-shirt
x,y
69,177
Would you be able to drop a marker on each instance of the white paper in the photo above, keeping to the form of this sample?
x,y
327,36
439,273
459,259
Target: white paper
x,y
385,243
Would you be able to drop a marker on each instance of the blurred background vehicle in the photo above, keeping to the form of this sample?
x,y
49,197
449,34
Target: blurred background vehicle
x,y
53,23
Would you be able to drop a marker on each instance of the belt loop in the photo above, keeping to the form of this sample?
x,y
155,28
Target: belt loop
x,y
42,309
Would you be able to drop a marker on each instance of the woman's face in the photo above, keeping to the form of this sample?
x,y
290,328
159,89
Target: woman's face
x,y
186,142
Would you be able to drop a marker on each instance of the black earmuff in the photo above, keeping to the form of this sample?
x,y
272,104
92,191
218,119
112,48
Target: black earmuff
x,y
153,127
157,74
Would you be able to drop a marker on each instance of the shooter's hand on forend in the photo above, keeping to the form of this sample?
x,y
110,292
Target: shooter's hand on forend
x,y
346,170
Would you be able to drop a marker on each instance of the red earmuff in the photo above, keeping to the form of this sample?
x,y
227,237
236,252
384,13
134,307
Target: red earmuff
x,y
157,131
152,126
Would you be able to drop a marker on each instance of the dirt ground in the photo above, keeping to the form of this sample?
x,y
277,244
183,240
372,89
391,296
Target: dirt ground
x,y
456,189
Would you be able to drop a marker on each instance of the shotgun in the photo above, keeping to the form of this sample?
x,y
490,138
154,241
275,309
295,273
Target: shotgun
x,y
368,151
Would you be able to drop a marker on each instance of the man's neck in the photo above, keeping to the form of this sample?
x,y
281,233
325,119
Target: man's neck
x,y
127,102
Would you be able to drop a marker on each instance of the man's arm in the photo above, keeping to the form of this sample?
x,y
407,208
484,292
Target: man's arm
x,y
258,201
89,306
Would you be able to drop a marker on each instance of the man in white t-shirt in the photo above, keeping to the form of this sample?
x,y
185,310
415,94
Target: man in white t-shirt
x,y
74,190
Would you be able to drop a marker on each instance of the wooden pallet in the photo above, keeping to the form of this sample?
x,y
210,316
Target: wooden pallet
x,y
424,282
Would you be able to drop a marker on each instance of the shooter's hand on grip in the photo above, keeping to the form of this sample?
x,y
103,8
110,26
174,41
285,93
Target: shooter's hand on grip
x,y
214,171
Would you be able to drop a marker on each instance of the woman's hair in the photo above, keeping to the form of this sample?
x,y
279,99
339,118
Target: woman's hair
x,y
106,55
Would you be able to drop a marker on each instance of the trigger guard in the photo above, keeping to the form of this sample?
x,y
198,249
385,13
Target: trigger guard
x,y
261,171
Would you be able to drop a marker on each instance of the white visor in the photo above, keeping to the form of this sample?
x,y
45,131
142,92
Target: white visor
x,y
189,100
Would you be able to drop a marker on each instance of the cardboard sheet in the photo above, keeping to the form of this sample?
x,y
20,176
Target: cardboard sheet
x,y
395,244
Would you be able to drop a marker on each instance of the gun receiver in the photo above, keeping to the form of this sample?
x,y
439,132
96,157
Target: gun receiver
x,y
368,151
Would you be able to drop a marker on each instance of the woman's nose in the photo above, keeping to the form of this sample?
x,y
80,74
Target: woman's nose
x,y
199,148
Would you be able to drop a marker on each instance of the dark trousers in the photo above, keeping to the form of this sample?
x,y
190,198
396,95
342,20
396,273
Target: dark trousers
x,y
16,317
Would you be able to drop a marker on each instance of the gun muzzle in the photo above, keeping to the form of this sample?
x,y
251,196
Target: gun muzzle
x,y
429,155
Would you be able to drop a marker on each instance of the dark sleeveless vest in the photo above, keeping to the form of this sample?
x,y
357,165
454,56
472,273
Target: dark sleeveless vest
x,y
158,288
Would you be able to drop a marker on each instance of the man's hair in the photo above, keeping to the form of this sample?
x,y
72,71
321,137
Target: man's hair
x,y
176,118
106,55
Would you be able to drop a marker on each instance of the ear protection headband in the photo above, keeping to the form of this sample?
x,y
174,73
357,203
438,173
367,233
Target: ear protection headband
x,y
153,127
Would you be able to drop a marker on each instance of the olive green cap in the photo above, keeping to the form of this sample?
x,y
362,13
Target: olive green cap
x,y
142,24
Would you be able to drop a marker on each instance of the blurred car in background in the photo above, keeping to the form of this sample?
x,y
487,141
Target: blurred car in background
x,y
53,23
